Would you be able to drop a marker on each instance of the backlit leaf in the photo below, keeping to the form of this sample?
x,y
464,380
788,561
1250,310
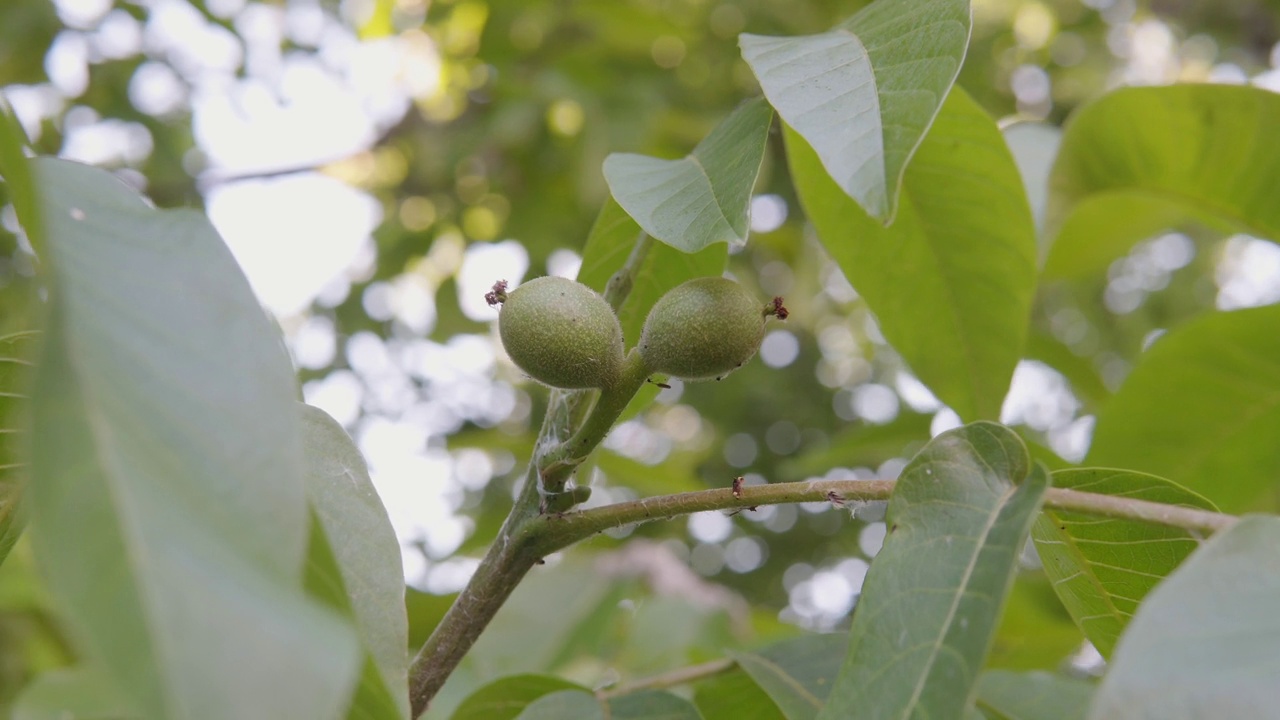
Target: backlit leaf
x,y
1103,567
1140,160
1203,645
951,280
354,561
703,198
1202,408
863,94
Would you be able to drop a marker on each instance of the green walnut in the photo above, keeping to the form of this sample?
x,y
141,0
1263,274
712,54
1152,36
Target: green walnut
x,y
560,332
704,329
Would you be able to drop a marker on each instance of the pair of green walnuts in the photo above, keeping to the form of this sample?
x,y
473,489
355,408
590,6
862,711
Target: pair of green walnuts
x,y
563,334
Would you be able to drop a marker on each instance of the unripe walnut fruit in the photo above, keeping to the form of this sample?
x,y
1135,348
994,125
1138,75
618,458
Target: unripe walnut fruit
x,y
560,332
704,329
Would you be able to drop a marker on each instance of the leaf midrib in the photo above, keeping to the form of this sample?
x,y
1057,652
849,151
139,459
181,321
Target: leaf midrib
x,y
992,520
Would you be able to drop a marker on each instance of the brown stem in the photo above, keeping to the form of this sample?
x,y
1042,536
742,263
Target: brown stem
x,y
502,568
556,532
1205,522
527,538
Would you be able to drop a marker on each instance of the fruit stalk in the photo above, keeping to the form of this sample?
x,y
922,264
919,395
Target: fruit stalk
x,y
514,552
558,464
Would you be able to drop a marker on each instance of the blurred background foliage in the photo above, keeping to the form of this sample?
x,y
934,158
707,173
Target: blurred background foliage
x,y
473,134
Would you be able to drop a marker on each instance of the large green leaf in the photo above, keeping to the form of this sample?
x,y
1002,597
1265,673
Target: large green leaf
x,y
541,697
525,637
71,694
958,520
951,280
1202,408
734,695
797,674
703,198
863,94
612,240
1102,568
652,705
167,485
506,698
354,561
563,705
1140,160
1204,643
1035,631
1005,695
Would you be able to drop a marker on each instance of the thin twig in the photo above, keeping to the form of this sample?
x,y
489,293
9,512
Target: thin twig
x,y
560,531
1122,508
525,539
671,678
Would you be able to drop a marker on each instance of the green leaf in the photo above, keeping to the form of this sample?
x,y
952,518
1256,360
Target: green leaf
x,y
864,94
797,674
167,484
703,198
1202,408
1033,696
15,369
1102,568
79,693
525,637
652,705
15,169
354,560
951,281
958,520
734,696
506,698
1141,160
1035,631
1204,643
612,239
16,346
565,704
